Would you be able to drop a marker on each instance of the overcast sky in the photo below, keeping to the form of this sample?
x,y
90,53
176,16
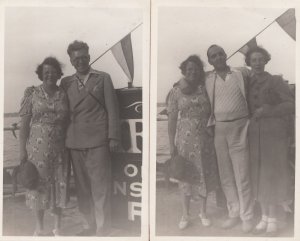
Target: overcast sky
x,y
183,31
33,33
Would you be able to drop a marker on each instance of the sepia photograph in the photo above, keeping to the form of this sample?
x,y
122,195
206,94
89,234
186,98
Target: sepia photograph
x,y
73,119
225,120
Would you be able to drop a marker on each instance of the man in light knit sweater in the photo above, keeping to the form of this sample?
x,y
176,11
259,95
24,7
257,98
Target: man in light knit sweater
x,y
227,94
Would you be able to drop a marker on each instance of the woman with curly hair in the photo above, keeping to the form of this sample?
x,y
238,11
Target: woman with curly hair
x,y
189,110
44,112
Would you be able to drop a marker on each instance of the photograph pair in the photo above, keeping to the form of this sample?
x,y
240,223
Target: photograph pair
x,y
149,120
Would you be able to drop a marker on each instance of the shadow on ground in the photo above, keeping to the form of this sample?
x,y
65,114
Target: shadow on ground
x,y
18,220
168,214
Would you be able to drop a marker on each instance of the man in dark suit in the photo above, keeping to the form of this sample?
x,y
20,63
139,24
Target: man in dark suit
x,y
92,134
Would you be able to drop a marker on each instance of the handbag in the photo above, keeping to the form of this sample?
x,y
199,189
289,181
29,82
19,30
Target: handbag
x,y
184,170
28,175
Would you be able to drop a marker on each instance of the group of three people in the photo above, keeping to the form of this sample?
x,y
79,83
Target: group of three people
x,y
231,123
82,115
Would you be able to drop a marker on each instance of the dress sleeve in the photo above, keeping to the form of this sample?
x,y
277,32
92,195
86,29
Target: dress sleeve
x,y
26,103
172,101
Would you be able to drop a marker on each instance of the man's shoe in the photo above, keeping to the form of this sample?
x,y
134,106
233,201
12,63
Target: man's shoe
x,y
102,232
272,229
248,226
87,232
230,222
261,226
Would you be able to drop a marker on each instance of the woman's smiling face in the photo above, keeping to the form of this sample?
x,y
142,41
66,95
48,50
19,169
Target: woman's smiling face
x,y
50,75
192,73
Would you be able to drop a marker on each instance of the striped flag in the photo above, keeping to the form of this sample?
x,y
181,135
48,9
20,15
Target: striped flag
x,y
287,21
122,52
250,44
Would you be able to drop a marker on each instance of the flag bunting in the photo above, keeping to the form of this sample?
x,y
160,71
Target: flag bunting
x,y
123,54
249,45
287,21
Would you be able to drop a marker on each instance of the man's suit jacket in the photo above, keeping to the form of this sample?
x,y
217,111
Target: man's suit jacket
x,y
242,75
94,112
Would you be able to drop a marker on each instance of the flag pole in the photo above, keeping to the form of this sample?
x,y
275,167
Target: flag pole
x,y
258,33
114,45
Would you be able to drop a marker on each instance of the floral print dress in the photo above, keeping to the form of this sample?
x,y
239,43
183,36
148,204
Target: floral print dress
x,y
45,146
194,140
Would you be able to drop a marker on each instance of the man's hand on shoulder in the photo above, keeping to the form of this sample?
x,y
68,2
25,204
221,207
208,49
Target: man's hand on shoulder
x,y
245,71
66,82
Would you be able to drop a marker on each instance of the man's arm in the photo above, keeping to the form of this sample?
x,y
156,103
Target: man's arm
x,y
112,108
246,72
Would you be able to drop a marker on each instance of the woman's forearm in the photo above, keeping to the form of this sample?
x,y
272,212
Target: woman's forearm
x,y
24,132
172,123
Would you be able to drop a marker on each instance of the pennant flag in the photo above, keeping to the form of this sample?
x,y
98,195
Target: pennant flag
x,y
122,52
251,44
287,21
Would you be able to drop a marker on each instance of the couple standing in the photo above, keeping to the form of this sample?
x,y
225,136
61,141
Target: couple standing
x,y
220,98
82,115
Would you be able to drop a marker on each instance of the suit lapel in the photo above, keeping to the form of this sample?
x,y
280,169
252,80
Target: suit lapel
x,y
210,88
210,83
76,95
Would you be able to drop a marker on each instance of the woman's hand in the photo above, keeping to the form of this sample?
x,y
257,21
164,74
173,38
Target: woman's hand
x,y
23,156
173,150
258,113
261,112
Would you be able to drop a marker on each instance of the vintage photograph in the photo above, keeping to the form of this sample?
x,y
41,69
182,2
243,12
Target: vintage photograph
x,y
73,120
225,123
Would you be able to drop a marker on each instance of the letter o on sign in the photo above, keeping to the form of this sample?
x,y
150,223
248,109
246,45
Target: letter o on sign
x,y
130,170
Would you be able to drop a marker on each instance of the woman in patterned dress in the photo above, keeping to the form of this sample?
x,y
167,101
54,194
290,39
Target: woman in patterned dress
x,y
189,110
44,112
271,104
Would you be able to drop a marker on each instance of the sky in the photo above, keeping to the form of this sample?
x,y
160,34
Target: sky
x,y
34,33
183,31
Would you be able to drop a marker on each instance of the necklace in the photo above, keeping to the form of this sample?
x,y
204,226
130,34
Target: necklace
x,y
49,92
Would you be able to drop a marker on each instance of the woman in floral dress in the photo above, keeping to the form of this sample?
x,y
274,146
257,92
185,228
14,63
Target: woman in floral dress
x,y
189,110
44,112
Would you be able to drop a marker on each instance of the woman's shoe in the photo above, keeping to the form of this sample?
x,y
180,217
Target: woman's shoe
x,y
39,233
184,222
272,229
261,227
206,222
56,232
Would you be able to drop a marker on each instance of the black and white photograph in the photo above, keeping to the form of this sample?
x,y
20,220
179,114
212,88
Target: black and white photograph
x,y
225,120
73,119
149,120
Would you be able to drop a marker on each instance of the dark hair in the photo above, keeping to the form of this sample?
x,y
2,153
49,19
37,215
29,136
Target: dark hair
x,y
258,49
77,45
212,46
49,61
196,60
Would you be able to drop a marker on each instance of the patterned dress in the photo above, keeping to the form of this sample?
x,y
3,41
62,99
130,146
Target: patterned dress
x,y
45,146
194,140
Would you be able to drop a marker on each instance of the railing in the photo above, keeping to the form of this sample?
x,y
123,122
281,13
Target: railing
x,y
13,129
9,172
